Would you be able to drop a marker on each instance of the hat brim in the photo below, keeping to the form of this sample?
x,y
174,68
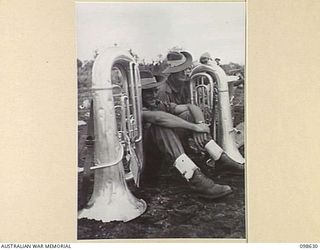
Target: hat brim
x,y
181,67
151,85
203,57
159,80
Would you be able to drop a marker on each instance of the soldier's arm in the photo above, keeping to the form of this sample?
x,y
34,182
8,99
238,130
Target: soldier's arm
x,y
194,110
167,120
196,113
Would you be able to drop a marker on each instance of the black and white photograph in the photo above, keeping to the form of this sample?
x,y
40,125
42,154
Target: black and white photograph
x,y
161,120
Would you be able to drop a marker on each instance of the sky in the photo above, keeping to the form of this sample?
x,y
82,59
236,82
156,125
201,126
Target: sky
x,y
150,29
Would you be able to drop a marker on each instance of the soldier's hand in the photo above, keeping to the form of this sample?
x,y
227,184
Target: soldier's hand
x,y
200,139
200,136
202,128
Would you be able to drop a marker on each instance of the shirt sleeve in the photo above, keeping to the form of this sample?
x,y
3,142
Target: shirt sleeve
x,y
172,107
165,107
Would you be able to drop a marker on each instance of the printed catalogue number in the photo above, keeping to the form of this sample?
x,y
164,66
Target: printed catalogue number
x,y
308,245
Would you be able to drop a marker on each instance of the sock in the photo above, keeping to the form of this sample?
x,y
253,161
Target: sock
x,y
213,149
185,166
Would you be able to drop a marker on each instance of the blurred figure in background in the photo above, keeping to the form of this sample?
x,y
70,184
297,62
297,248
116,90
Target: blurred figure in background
x,y
205,59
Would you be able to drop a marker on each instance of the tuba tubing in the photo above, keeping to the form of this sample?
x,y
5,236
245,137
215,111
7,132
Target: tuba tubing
x,y
226,129
111,199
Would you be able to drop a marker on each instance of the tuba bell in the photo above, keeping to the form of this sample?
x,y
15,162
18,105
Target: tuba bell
x,y
116,93
208,86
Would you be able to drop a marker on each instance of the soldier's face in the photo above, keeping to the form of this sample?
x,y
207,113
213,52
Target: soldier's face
x,y
149,97
181,76
204,60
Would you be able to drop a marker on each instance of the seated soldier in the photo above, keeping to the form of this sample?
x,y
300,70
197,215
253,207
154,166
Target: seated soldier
x,y
176,87
160,123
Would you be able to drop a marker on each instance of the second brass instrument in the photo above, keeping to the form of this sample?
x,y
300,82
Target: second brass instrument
x,y
204,80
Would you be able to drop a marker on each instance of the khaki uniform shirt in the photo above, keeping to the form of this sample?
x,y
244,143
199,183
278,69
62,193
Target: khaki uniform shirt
x,y
169,95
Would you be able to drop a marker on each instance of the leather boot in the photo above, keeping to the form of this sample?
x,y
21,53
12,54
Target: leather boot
x,y
206,188
198,182
227,165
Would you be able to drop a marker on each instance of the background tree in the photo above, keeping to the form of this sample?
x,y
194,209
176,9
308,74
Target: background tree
x,y
85,73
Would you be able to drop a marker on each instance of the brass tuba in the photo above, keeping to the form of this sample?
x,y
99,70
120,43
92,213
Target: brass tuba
x,y
116,92
209,84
